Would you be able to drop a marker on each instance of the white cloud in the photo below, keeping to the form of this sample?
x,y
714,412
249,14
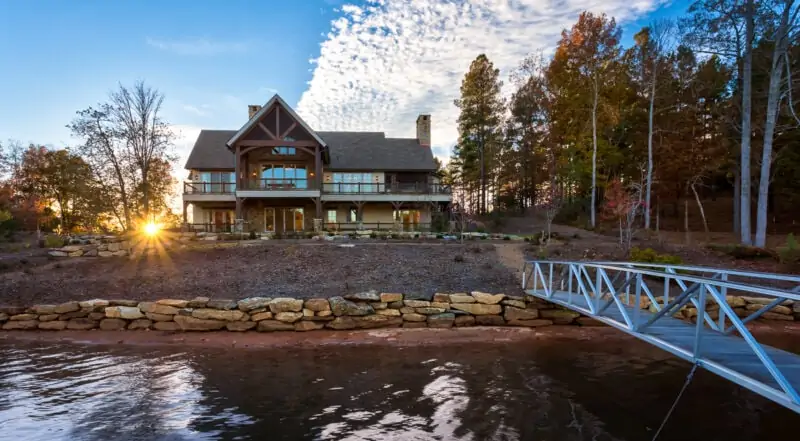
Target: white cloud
x,y
203,110
384,64
263,90
200,46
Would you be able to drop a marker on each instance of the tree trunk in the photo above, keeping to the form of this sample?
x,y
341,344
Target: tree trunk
x,y
773,100
737,189
747,73
702,212
686,221
650,150
594,155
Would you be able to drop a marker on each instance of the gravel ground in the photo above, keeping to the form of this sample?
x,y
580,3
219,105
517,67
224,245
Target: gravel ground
x,y
271,270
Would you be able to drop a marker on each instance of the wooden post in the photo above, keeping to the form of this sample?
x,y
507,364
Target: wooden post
x,y
318,166
185,204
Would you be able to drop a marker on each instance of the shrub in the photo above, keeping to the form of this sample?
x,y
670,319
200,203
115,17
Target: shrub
x,y
252,235
53,241
506,238
373,235
791,252
458,258
648,255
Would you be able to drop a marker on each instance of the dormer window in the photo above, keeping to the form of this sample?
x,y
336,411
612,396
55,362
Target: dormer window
x,y
285,151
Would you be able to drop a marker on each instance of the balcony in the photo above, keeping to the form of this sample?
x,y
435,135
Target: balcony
x,y
209,191
381,192
381,188
279,187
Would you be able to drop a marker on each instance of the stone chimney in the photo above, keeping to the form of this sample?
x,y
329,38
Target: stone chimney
x,y
252,109
424,130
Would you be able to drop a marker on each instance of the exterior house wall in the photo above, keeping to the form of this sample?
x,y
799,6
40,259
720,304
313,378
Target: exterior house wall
x,y
373,213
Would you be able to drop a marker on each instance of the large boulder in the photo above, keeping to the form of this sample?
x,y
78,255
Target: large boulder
x,y
389,312
198,302
226,304
559,316
513,313
159,317
261,316
414,317
240,326
342,307
462,298
81,324
477,308
308,326
124,312
341,323
252,303
66,307
21,325
429,311
94,303
140,324
515,303
464,320
218,314
23,317
288,317
317,305
367,296
176,303
197,324
444,320
486,298
417,303
377,321
113,324
158,309
168,326
44,309
389,297
53,326
274,325
285,304
489,320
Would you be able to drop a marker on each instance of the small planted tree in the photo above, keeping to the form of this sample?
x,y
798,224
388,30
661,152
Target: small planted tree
x,y
624,203
553,200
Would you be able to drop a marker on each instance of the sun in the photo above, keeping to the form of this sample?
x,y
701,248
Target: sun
x,y
151,229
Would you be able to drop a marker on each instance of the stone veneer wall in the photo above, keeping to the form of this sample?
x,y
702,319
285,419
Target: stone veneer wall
x,y
356,311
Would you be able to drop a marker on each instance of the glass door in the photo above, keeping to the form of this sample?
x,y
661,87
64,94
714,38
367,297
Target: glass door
x,y
269,220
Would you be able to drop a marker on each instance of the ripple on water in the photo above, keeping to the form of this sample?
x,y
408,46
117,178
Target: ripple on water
x,y
478,392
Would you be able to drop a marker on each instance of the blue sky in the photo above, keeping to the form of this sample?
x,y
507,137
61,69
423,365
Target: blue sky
x,y
377,65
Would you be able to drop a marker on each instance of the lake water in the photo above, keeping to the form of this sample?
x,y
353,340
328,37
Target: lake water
x,y
559,389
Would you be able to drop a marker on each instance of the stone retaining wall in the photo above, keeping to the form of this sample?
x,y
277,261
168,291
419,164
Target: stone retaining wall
x,y
356,311
94,246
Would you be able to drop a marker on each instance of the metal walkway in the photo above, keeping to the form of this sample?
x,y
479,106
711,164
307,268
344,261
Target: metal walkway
x,y
719,341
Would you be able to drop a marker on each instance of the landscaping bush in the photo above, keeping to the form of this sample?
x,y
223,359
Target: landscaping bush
x,y
649,255
53,241
252,235
790,253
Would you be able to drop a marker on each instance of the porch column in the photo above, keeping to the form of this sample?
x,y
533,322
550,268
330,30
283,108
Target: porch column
x,y
318,168
238,209
238,167
185,204
318,206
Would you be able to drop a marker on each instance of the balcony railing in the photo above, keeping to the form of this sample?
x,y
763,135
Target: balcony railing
x,y
209,188
278,184
382,188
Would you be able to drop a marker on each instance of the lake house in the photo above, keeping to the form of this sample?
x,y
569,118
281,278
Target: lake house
x,y
278,175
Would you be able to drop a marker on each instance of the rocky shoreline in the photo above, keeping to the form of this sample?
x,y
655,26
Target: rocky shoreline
x,y
365,310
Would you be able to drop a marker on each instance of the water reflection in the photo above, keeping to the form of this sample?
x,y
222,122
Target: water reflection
x,y
541,391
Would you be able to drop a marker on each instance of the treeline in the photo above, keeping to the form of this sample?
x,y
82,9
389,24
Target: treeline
x,y
704,102
117,177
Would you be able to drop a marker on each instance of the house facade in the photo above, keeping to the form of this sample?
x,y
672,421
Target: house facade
x,y
278,175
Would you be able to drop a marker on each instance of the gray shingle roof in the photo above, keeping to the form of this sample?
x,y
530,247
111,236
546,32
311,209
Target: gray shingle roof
x,y
348,151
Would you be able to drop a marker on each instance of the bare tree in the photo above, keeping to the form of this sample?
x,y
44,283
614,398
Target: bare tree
x,y
783,35
747,80
657,39
147,136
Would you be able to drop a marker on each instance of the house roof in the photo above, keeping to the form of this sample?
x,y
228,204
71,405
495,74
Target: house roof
x,y
263,111
348,151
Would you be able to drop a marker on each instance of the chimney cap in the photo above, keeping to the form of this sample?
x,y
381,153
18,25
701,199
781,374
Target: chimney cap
x,y
423,116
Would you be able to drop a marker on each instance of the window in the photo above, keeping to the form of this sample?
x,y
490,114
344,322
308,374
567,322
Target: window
x,y
352,215
284,150
269,219
217,182
283,176
353,183
331,216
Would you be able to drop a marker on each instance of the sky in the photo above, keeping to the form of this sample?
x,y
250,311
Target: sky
x,y
370,65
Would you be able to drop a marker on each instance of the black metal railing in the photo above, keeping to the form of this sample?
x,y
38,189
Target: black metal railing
x,y
384,188
278,184
209,187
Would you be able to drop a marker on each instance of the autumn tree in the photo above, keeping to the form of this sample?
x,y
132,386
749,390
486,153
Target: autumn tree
x,y
480,136
584,62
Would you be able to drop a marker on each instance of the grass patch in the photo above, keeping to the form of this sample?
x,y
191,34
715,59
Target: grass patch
x,y
649,255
